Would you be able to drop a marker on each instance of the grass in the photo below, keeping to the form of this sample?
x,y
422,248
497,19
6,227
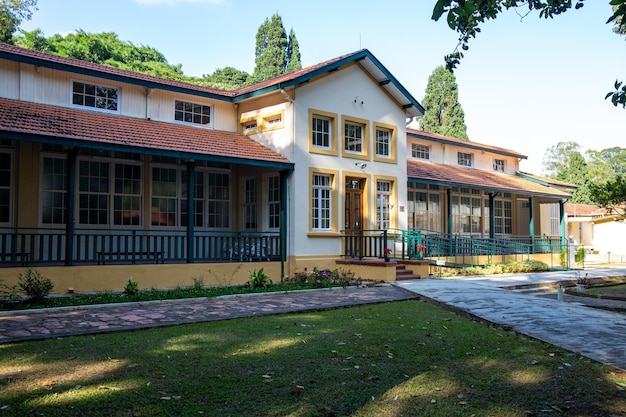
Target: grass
x,y
614,291
395,359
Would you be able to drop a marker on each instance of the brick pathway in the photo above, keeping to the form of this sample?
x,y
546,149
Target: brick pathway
x,y
59,322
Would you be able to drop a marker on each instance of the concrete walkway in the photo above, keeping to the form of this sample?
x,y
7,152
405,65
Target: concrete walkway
x,y
597,334
594,333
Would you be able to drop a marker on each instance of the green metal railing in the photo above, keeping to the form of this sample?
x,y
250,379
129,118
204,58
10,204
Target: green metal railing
x,y
28,246
423,244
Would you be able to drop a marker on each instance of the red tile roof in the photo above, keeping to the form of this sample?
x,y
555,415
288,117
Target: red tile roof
x,y
475,178
465,143
21,117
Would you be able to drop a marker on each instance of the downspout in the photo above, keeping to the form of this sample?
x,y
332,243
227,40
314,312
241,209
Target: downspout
x,y
148,96
286,191
531,222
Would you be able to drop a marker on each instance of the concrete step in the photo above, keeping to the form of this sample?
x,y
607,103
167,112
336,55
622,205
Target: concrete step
x,y
536,290
403,274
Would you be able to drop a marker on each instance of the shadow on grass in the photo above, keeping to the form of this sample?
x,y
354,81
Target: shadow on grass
x,y
406,358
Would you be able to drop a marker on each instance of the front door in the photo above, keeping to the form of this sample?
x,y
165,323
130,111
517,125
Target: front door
x,y
353,217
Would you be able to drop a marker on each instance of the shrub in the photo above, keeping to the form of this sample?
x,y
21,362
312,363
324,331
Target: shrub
x,y
34,285
131,289
9,293
579,256
198,283
258,279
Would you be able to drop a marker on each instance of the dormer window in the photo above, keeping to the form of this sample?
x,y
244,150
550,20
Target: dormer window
x,y
498,165
193,113
95,96
420,151
465,159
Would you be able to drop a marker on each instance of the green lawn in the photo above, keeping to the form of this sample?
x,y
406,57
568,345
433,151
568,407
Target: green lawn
x,y
395,359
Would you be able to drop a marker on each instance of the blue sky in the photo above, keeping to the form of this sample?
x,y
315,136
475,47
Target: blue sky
x,y
524,84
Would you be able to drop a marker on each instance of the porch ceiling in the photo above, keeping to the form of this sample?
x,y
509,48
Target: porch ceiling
x,y
455,176
65,126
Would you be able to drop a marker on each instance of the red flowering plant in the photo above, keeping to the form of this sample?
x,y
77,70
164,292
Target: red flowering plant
x,y
420,251
387,251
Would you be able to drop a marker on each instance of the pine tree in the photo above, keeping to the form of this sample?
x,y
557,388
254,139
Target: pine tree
x,y
444,114
275,54
293,53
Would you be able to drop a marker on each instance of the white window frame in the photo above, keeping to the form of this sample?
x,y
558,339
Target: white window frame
x,y
94,107
426,209
165,197
273,202
325,132
555,219
503,216
54,192
499,165
196,111
321,204
383,140
384,193
465,159
214,204
355,142
420,151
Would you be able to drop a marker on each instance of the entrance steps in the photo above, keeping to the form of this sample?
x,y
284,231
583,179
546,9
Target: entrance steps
x,y
403,274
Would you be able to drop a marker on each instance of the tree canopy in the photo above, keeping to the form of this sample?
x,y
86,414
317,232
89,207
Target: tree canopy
x,y
443,113
275,53
12,13
106,48
466,17
600,175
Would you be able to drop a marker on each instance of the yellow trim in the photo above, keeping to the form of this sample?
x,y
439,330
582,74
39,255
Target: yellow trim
x,y
280,125
393,141
393,212
243,121
334,200
334,138
366,138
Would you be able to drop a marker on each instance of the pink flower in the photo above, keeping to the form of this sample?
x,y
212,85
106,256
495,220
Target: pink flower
x,y
387,251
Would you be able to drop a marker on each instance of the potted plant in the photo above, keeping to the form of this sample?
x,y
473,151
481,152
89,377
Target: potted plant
x,y
387,251
420,251
582,283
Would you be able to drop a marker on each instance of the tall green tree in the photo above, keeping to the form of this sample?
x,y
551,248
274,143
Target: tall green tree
x,y
577,173
611,194
444,114
12,13
557,158
293,53
467,16
606,164
275,53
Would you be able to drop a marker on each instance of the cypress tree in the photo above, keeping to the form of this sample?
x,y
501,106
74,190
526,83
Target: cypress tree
x,y
444,114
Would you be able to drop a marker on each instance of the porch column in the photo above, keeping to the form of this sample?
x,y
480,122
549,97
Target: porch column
x,y
191,195
449,204
562,220
70,202
283,222
492,216
531,221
